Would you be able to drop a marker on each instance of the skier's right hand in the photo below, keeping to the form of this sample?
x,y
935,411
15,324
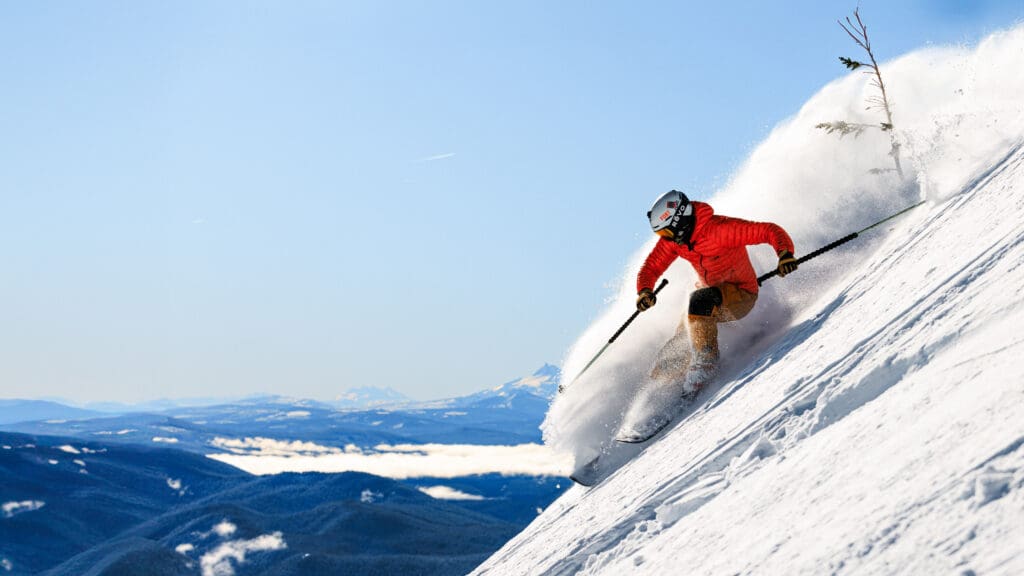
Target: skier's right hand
x,y
645,299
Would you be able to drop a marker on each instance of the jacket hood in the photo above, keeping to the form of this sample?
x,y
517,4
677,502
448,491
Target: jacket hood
x,y
702,213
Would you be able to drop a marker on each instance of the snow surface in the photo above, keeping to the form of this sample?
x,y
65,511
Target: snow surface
x,y
221,561
448,493
870,414
11,509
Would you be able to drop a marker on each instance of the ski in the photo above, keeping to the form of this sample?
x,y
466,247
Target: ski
x,y
655,408
654,426
587,475
639,437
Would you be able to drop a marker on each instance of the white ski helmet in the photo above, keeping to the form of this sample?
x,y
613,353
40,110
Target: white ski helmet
x,y
672,216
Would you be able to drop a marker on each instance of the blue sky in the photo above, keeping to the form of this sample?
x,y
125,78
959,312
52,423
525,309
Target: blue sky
x,y
220,198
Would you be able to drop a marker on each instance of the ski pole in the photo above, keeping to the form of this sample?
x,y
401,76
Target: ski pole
x,y
839,242
664,282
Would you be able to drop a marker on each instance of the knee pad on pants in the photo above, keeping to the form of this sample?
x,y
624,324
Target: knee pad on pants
x,y
704,301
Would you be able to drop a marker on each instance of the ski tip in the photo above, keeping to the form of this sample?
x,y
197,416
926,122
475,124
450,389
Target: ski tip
x,y
581,482
639,437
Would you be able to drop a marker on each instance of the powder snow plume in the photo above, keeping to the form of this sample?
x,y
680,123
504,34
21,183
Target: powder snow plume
x,y
954,108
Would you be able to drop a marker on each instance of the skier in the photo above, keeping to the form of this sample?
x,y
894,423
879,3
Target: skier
x,y
727,289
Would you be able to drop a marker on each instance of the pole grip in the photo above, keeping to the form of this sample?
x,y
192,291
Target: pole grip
x,y
816,253
664,282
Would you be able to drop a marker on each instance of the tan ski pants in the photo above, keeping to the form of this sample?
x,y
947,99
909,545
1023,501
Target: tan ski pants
x,y
698,332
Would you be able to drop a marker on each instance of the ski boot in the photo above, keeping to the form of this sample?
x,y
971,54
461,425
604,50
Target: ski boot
x,y
702,371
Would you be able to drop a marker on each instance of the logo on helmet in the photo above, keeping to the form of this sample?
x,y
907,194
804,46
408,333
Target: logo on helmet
x,y
683,217
665,216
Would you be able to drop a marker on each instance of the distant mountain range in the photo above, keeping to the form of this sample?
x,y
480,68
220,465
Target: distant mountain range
x,y
543,383
73,507
15,410
369,397
506,414
87,492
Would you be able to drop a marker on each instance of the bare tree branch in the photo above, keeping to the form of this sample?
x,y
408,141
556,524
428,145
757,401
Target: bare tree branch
x,y
858,32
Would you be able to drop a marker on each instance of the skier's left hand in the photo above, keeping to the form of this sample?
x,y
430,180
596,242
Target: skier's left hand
x,y
787,263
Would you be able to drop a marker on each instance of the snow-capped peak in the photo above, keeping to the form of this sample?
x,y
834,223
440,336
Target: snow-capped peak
x,y
543,382
369,397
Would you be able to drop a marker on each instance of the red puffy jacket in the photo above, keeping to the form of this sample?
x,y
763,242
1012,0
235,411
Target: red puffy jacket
x,y
717,250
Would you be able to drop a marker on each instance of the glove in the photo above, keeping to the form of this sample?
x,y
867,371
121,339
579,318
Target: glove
x,y
645,299
787,263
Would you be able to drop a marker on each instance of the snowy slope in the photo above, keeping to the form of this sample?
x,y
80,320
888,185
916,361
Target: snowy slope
x,y
871,418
